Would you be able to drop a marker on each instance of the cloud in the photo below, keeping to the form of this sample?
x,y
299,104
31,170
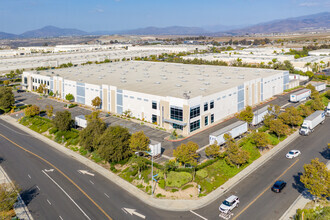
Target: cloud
x,y
309,4
99,10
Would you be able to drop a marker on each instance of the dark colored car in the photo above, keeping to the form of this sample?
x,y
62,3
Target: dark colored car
x,y
278,186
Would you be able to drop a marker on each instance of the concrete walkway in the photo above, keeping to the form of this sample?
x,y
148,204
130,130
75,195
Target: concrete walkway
x,y
20,208
165,204
299,203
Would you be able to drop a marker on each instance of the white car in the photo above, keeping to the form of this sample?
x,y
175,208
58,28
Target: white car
x,y
292,154
229,204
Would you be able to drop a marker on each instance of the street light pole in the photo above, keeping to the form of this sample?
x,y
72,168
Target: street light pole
x,y
152,175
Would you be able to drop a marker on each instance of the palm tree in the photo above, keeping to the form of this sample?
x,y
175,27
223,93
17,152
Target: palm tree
x,y
308,64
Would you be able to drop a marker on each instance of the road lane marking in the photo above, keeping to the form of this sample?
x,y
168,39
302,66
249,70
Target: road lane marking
x,y
47,162
85,172
14,130
29,176
198,215
49,202
66,195
38,188
267,188
133,212
60,217
106,195
91,182
285,105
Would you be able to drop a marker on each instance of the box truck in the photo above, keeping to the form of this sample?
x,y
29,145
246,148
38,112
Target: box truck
x,y
236,129
258,115
80,121
155,148
311,122
320,86
300,95
327,110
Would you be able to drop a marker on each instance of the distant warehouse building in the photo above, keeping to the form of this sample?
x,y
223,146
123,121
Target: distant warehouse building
x,y
174,96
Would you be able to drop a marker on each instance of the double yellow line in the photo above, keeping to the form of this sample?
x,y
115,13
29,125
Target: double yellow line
x,y
267,188
50,164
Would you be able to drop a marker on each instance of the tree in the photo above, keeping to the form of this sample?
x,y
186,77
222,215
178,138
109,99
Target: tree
x,y
32,111
278,127
305,110
6,82
41,88
213,150
327,94
291,116
260,139
62,120
186,153
314,92
308,65
51,93
139,142
8,197
113,145
140,163
317,104
316,179
236,156
274,110
127,113
69,97
89,136
96,102
49,110
268,118
7,98
246,114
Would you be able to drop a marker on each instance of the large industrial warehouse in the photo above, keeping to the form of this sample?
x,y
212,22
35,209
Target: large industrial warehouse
x,y
175,96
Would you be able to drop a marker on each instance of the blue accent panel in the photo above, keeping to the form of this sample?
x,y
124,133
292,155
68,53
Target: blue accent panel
x,y
80,84
80,91
80,100
286,80
241,87
119,91
240,106
120,99
262,90
119,110
51,84
240,96
101,98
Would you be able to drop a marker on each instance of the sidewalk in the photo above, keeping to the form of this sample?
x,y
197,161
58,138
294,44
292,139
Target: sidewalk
x,y
299,203
20,208
166,204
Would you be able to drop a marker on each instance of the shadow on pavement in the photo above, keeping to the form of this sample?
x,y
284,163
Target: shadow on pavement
x,y
1,160
299,186
325,153
29,194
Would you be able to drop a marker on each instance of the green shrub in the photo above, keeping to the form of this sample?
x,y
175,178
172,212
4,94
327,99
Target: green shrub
x,y
96,157
263,129
174,190
273,139
187,186
202,174
159,195
72,105
140,186
161,183
178,179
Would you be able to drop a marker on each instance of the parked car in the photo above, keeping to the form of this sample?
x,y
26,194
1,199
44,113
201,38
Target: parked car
x,y
278,186
229,204
292,154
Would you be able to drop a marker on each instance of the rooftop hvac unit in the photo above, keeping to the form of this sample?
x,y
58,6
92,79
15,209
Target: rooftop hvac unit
x,y
139,80
180,77
206,83
201,79
164,78
206,75
157,82
178,85
202,89
224,82
184,80
123,81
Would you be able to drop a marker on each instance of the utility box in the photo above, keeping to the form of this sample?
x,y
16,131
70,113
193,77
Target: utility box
x,y
236,129
80,121
155,148
319,86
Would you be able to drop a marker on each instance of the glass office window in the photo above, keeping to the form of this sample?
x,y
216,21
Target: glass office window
x,y
176,126
206,106
176,113
154,105
206,120
194,125
212,118
211,104
195,111
154,118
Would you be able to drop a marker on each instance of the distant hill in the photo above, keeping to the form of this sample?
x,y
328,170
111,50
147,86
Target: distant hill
x,y
4,35
315,21
51,31
173,30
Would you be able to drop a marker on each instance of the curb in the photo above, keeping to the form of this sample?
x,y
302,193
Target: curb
x,y
299,203
20,208
165,204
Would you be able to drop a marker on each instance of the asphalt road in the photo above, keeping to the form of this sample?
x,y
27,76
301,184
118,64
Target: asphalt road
x,y
43,193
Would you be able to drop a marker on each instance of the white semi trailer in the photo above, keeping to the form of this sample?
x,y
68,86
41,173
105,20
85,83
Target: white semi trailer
x,y
311,122
320,86
327,110
258,115
300,95
236,129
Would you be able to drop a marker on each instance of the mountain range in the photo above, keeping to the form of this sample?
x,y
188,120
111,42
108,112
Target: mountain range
x,y
315,21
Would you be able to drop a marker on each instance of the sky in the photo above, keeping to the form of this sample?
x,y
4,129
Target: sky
x,y
18,16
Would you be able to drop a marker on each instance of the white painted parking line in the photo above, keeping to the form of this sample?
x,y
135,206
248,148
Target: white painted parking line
x,y
106,195
91,182
49,202
285,105
38,188
198,215
67,195
60,217
29,176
